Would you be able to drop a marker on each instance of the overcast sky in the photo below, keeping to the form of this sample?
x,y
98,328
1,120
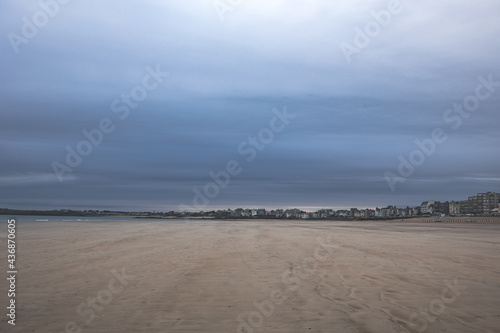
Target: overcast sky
x,y
353,103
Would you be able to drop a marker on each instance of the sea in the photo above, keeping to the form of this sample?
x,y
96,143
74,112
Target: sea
x,y
29,218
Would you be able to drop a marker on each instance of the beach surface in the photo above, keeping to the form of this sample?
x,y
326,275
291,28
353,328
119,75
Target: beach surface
x,y
254,276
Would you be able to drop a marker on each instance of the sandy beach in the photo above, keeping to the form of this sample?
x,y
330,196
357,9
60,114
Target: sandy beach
x,y
255,276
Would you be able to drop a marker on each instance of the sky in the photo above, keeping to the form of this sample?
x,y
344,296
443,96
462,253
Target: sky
x,y
214,104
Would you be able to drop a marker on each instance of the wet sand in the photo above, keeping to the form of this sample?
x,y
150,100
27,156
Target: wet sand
x,y
255,276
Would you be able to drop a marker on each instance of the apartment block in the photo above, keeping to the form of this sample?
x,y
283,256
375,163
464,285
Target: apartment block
x,y
482,203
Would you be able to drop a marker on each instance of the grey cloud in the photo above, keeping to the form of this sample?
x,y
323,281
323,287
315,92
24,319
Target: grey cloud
x,y
353,120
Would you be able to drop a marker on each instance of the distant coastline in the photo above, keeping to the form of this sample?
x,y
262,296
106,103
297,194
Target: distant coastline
x,y
480,205
225,215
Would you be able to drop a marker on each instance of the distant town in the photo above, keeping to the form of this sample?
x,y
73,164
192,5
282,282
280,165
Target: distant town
x,y
482,204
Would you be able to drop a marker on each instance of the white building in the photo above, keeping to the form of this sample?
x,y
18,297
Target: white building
x,y
427,207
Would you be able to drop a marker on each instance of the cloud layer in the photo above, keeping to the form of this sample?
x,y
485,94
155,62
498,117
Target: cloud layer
x,y
353,119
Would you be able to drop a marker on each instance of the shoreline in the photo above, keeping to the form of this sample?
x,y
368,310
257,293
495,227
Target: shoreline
x,y
444,220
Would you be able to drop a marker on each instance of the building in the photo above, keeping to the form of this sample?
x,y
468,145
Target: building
x,y
480,204
367,213
278,213
427,207
402,212
454,208
293,213
370,212
441,208
386,211
342,213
